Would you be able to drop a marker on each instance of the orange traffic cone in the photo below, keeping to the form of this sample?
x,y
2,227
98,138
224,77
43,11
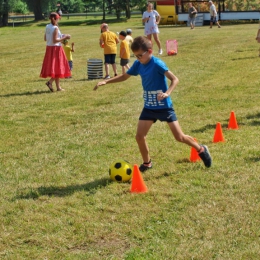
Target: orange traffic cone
x,y
138,185
232,124
194,156
218,136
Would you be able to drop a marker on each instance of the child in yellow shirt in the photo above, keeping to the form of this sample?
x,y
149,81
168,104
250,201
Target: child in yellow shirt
x,y
68,52
124,52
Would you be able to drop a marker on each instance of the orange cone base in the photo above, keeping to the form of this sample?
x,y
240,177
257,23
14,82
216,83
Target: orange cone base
x,y
138,185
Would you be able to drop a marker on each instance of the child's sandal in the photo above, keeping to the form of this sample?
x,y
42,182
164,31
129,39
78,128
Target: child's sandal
x,y
49,85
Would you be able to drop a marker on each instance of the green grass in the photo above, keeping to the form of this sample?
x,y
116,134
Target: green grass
x,y
56,199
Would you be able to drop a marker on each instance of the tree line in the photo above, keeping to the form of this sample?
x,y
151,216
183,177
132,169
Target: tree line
x,y
42,7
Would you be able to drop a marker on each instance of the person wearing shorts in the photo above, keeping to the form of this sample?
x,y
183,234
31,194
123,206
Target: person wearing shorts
x,y
213,15
151,19
192,15
108,40
124,52
157,101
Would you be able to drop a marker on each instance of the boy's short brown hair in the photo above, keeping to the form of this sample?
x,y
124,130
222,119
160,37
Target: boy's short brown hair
x,y
142,43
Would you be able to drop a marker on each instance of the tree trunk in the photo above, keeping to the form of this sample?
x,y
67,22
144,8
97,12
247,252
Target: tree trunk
x,y
4,14
118,14
37,9
104,13
127,10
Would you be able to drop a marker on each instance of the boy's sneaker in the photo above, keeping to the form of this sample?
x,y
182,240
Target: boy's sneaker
x,y
145,166
107,77
160,52
205,156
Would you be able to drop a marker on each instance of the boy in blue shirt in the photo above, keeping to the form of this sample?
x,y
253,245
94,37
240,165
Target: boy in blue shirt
x,y
157,102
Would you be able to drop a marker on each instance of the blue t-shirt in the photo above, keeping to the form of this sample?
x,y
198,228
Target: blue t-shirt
x,y
153,81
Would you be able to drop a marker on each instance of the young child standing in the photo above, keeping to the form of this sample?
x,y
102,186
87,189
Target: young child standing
x,y
108,41
55,63
124,52
157,102
68,52
129,38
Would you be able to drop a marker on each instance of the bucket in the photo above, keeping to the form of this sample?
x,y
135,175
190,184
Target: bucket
x,y
172,47
95,69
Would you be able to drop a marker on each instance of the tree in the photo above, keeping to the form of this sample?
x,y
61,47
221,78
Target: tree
x,y
239,5
4,9
19,7
37,7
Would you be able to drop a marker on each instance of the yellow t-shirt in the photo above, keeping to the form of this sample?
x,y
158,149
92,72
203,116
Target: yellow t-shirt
x,y
110,40
124,50
67,50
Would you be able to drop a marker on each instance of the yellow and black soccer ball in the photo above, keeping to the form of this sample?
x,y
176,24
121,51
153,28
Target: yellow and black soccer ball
x,y
120,171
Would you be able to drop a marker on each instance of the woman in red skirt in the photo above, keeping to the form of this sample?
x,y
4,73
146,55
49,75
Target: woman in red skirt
x,y
55,64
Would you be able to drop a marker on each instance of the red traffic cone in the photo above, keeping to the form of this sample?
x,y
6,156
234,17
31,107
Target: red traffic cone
x,y
138,185
232,124
194,156
218,136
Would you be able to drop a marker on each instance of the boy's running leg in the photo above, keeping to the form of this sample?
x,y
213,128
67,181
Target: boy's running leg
x,y
181,137
142,130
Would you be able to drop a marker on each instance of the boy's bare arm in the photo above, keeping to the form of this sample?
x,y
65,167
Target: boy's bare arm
x,y
72,47
116,79
173,83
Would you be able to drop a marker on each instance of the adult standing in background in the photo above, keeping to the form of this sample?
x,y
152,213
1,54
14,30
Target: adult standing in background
x,y
55,64
151,19
60,13
192,15
108,40
213,15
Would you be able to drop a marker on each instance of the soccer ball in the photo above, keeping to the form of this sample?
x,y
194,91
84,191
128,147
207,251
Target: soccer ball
x,y
120,171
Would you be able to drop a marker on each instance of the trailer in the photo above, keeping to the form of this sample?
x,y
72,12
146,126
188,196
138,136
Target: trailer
x,y
223,16
173,11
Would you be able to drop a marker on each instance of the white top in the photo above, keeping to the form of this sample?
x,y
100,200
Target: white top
x,y
49,35
150,25
129,39
213,11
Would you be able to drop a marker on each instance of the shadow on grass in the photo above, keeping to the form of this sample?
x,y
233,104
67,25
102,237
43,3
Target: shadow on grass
x,y
253,159
257,115
53,191
254,122
25,93
246,58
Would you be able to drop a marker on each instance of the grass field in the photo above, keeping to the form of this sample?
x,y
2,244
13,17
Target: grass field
x,y
56,199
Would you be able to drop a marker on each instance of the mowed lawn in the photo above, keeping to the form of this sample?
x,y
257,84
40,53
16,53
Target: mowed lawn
x,y
56,199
